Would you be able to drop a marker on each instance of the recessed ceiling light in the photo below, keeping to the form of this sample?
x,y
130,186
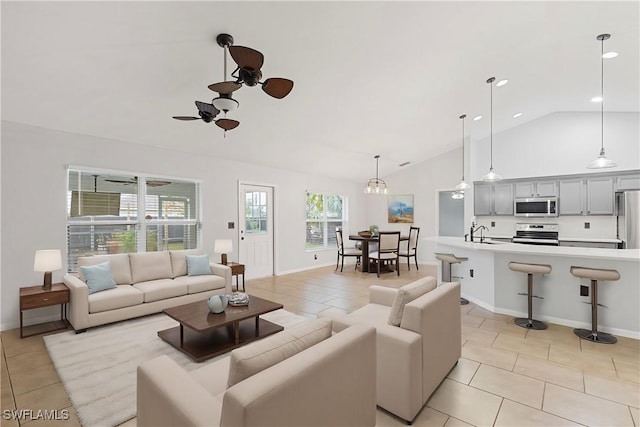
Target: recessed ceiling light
x,y
609,55
596,99
502,82
476,118
516,115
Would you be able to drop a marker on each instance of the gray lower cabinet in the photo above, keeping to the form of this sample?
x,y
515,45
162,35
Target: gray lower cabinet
x,y
571,197
603,245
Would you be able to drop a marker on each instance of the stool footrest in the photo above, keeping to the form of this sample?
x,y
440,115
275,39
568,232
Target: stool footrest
x,y
523,293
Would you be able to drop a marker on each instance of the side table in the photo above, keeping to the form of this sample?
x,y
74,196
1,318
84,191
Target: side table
x,y
35,297
236,270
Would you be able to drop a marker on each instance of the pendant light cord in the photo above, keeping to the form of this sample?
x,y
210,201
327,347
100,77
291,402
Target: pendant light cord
x,y
491,121
602,96
462,117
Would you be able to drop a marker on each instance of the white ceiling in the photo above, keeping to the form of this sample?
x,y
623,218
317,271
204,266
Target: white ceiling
x,y
388,78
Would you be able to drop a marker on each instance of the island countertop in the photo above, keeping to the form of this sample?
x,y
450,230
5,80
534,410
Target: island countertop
x,y
517,248
487,280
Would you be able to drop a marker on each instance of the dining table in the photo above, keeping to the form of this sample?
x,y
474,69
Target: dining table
x,y
365,265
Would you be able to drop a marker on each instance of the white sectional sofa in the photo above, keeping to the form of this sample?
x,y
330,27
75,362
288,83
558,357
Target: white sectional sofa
x,y
146,283
293,378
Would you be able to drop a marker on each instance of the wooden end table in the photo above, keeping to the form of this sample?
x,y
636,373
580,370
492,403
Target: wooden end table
x,y
202,335
236,270
35,297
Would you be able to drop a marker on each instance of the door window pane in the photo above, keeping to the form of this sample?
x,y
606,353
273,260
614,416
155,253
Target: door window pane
x,y
256,212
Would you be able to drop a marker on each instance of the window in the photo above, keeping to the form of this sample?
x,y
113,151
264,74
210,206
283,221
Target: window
x,y
105,214
326,213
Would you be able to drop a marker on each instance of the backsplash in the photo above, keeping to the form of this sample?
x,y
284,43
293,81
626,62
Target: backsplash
x,y
600,227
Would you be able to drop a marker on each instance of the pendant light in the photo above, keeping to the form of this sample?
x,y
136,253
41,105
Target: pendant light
x,y
601,161
491,176
376,185
463,185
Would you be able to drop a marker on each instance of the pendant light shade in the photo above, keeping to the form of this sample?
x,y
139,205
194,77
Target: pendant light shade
x,y
463,185
458,194
376,185
601,162
491,176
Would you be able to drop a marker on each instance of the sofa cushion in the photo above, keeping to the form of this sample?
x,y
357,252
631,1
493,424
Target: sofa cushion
x,y
148,266
255,357
120,267
196,284
408,293
155,290
213,376
111,299
99,277
179,261
198,265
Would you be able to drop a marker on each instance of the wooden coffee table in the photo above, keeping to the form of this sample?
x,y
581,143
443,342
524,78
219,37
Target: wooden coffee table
x,y
203,335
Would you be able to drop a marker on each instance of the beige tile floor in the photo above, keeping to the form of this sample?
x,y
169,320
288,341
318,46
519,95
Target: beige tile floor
x,y
507,376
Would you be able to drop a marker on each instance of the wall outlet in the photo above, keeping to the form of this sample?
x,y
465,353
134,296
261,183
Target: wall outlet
x,y
471,273
584,291
587,225
493,223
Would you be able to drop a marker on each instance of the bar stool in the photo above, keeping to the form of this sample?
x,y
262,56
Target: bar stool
x,y
595,274
530,269
447,260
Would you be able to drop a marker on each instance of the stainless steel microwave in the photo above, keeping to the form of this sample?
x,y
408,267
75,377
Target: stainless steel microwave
x,y
536,207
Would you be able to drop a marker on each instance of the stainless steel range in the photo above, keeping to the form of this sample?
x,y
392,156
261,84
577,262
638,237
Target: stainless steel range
x,y
536,234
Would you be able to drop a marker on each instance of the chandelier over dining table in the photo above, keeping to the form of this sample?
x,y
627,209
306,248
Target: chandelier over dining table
x,y
376,185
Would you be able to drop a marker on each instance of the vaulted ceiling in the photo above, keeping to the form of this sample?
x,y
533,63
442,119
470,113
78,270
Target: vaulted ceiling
x,y
388,78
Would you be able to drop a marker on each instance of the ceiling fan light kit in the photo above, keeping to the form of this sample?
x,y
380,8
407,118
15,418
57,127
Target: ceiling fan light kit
x,y
376,185
249,62
602,162
491,176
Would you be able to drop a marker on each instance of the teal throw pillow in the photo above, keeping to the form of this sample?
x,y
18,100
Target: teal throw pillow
x,y
99,277
198,265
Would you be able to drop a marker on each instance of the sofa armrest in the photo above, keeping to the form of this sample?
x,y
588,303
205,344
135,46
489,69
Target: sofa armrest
x,y
225,272
382,295
168,396
78,303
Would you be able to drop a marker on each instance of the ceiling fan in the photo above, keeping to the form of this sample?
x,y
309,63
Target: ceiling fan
x,y
249,61
149,182
207,113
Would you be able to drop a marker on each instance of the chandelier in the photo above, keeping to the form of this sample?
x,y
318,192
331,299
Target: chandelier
x,y
376,185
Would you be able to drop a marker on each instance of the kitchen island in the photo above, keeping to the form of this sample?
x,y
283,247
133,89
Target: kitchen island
x,y
495,287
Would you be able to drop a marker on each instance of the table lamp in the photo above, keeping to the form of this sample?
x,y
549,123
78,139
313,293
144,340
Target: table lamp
x,y
47,260
222,247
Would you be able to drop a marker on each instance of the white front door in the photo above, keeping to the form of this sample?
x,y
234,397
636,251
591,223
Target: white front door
x,y
256,230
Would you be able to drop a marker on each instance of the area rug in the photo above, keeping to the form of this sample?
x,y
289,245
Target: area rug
x,y
98,367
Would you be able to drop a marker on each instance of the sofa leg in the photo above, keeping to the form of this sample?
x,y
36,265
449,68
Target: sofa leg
x,y
79,331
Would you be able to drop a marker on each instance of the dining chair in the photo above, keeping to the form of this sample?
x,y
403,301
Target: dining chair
x,y
388,247
412,247
342,252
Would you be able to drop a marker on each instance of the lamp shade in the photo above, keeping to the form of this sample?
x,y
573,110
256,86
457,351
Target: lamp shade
x,y
47,260
223,246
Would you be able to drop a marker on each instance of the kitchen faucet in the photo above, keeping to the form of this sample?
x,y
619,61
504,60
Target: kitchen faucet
x,y
475,229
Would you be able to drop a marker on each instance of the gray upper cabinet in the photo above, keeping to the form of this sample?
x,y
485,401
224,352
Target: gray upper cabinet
x,y
482,199
600,196
631,182
503,199
535,189
571,197
492,199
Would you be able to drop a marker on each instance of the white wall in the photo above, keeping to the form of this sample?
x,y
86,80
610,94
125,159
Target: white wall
x,y
33,214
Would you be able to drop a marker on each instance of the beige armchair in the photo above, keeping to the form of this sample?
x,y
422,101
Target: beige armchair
x,y
416,355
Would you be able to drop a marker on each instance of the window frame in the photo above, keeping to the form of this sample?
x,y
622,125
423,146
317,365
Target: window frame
x,y
324,221
141,222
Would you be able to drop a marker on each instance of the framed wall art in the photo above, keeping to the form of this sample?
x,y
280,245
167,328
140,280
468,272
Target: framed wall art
x,y
400,209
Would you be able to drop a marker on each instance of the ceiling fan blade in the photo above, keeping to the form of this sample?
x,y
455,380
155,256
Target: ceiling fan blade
x,y
208,109
246,57
277,87
227,124
186,118
225,88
